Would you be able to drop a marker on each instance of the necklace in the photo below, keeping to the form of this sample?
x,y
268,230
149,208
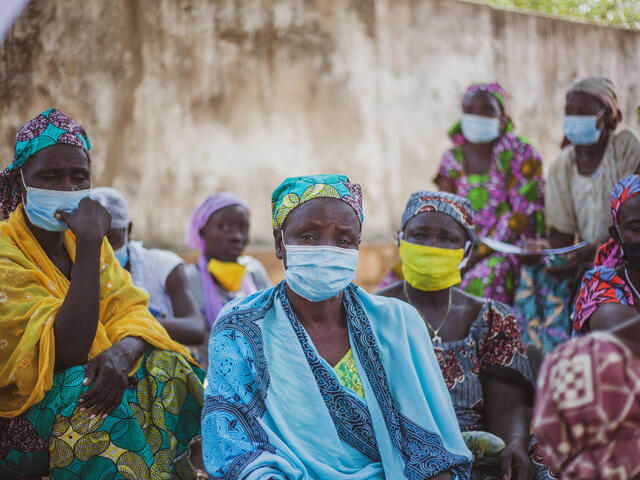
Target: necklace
x,y
633,287
436,332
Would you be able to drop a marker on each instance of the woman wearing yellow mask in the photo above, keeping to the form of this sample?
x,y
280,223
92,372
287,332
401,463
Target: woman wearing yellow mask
x,y
477,341
219,229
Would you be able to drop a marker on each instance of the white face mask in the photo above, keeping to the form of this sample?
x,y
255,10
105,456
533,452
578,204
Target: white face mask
x,y
319,272
479,129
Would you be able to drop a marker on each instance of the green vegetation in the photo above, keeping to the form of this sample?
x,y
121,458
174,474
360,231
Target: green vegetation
x,y
620,13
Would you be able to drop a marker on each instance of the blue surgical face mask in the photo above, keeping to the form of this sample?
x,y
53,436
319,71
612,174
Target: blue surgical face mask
x,y
479,129
582,129
42,205
122,253
320,272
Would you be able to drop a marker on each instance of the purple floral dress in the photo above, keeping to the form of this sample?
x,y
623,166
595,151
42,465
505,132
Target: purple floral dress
x,y
509,206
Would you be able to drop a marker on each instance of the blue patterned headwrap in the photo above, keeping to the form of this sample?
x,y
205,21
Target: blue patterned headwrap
x,y
623,191
294,191
458,208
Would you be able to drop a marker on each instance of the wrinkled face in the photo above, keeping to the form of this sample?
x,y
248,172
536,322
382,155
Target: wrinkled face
x,y
483,104
629,220
321,221
58,167
435,229
582,104
226,233
585,104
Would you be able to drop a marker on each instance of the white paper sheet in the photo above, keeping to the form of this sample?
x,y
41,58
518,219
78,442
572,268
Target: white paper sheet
x,y
503,247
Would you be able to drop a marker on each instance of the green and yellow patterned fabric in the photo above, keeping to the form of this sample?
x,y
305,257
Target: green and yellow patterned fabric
x,y
294,191
146,437
348,374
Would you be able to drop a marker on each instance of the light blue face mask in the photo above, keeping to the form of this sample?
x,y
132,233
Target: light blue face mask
x,y
320,272
582,129
479,129
122,253
42,205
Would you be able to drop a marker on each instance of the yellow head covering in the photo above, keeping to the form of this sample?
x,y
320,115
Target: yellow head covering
x,y
32,290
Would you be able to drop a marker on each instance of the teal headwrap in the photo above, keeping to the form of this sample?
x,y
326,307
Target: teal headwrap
x,y
49,128
294,191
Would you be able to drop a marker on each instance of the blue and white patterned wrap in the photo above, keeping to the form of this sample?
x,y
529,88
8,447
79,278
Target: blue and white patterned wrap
x,y
275,409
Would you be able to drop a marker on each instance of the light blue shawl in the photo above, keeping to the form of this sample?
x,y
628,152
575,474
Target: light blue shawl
x,y
275,409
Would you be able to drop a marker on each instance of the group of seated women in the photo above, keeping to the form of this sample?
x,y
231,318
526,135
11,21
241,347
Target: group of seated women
x,y
315,378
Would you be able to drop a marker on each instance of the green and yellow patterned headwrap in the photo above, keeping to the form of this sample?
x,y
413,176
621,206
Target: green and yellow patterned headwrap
x,y
294,191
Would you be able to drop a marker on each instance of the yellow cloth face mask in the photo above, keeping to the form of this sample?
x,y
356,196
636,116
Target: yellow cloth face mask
x,y
228,274
430,268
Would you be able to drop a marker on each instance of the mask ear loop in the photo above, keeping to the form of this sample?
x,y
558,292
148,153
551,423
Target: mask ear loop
x,y
399,235
24,184
468,247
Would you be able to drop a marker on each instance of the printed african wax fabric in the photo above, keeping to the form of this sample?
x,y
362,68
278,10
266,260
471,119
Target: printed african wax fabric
x,y
456,207
599,286
543,305
581,204
32,290
51,127
348,374
294,191
493,346
587,409
610,254
274,408
508,203
146,437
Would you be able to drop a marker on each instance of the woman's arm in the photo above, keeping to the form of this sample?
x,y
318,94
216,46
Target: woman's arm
x,y
506,417
77,319
186,325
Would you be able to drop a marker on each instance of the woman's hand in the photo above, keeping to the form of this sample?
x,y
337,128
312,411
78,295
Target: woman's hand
x,y
90,221
110,370
515,463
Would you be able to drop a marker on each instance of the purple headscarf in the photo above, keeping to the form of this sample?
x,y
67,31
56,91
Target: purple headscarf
x,y
199,218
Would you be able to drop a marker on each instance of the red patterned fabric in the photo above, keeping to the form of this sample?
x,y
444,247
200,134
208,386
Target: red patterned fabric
x,y
599,286
587,409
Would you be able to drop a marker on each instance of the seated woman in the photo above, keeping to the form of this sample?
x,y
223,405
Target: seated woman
x,y
219,230
159,272
91,386
587,409
581,177
501,175
577,205
608,296
310,379
476,341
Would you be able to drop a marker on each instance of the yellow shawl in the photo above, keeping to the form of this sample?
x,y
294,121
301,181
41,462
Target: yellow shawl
x,y
32,290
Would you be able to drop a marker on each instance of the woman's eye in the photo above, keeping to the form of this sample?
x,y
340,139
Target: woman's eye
x,y
223,226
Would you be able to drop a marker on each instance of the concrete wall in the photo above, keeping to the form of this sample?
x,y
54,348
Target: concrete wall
x,y
182,98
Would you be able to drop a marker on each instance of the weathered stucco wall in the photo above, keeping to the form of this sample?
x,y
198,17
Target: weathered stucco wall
x,y
182,98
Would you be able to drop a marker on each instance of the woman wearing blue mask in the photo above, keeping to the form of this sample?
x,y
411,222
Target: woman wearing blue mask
x,y
579,183
315,378
91,386
501,175
160,273
477,341
582,176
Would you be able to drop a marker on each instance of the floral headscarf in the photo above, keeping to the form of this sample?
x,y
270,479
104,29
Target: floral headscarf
x,y
456,207
623,191
294,191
